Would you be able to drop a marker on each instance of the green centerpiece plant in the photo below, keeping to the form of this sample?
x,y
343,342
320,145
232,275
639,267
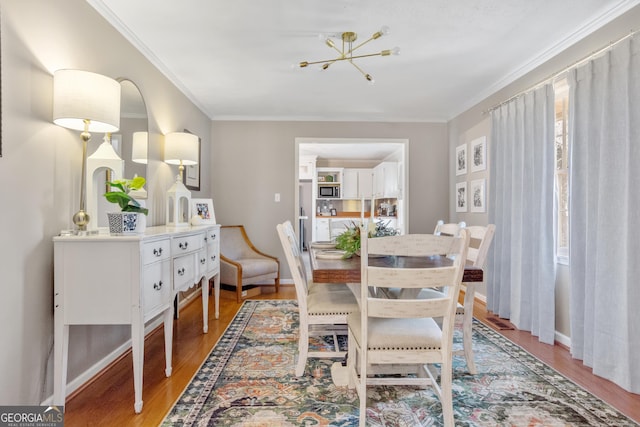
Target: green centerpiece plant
x,y
349,240
122,195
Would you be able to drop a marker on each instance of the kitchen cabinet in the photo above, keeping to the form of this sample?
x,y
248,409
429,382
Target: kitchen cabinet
x,y
357,183
386,180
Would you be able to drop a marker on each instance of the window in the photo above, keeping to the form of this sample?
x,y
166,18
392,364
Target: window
x,y
562,169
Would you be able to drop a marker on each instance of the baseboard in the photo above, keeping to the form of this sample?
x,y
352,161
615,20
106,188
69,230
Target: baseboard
x,y
562,340
100,367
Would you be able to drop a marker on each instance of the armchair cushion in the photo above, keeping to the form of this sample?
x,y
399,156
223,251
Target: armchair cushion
x,y
242,264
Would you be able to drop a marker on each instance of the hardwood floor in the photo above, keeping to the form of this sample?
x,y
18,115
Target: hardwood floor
x,y
108,399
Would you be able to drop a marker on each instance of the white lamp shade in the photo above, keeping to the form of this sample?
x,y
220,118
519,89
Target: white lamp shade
x,y
140,147
181,147
82,95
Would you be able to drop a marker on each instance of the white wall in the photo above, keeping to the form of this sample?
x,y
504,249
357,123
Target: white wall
x,y
474,121
40,171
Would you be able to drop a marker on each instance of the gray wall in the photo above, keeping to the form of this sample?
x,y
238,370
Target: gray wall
x,y
40,172
475,121
253,160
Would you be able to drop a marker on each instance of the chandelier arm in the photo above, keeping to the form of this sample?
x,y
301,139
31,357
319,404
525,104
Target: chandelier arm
x,y
358,68
360,45
345,58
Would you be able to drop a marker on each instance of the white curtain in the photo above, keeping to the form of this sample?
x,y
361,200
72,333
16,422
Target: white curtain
x,y
521,266
605,214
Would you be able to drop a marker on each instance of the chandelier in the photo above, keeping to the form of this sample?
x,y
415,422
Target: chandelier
x,y
348,49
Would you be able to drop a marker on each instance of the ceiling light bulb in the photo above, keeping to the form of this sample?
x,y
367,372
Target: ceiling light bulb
x,y
330,43
382,32
369,78
395,51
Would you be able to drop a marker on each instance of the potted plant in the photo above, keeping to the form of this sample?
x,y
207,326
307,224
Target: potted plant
x,y
128,220
349,240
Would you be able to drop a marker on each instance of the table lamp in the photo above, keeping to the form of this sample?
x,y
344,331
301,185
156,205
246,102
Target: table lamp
x,y
87,102
180,148
140,147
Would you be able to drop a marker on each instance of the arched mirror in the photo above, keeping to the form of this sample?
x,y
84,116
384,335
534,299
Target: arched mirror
x,y
131,145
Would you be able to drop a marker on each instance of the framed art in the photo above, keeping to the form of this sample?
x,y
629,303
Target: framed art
x,y
479,154
191,176
461,196
478,195
461,159
203,208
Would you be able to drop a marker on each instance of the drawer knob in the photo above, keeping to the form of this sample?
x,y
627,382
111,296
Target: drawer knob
x,y
213,257
157,252
157,286
183,245
203,260
181,272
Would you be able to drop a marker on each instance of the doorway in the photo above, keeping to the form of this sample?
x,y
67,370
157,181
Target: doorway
x,y
345,153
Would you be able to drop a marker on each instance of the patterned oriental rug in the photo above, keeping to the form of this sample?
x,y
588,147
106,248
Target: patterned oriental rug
x,y
248,380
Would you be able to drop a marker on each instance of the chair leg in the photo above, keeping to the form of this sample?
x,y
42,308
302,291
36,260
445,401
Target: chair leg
x,y
303,351
467,325
239,285
446,396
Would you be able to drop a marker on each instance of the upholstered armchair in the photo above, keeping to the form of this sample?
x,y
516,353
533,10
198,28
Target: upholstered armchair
x,y
242,264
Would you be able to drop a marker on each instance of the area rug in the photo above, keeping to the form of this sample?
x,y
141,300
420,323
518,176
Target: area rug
x,y
248,380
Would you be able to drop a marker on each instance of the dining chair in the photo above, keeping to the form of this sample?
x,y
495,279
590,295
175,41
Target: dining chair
x,y
479,243
448,229
323,308
388,336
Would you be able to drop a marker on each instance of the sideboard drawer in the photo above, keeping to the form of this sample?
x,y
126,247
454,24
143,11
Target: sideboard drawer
x,y
184,272
156,287
156,251
186,244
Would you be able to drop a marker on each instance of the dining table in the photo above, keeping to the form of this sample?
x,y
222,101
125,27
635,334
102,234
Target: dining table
x,y
347,270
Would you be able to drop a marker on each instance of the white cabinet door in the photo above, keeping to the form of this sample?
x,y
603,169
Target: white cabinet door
x,y
365,183
350,184
322,230
358,183
386,179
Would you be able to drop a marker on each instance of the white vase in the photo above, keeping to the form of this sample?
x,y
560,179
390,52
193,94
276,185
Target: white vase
x,y
126,223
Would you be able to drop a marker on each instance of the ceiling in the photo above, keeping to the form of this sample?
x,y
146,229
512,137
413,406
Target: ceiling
x,y
234,59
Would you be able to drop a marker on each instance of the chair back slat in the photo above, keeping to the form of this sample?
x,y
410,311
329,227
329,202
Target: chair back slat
x,y
411,245
408,308
412,278
448,229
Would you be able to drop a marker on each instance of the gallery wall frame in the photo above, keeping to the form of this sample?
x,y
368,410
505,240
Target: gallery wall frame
x,y
461,160
478,196
478,154
461,196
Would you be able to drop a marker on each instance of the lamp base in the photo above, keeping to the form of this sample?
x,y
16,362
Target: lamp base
x,y
81,219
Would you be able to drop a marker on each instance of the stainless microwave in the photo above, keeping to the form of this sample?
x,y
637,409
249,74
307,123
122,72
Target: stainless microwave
x,y
329,191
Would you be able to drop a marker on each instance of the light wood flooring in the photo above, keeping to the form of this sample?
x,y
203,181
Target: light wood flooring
x,y
108,399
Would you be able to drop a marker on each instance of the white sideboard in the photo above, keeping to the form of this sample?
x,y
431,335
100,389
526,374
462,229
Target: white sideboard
x,y
114,280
